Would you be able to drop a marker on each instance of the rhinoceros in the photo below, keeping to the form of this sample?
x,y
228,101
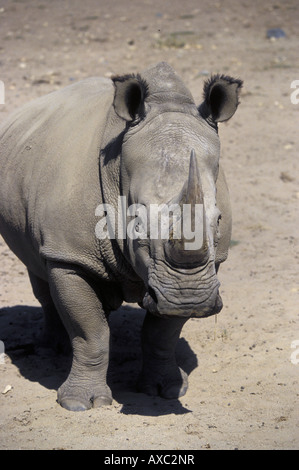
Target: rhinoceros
x,y
68,159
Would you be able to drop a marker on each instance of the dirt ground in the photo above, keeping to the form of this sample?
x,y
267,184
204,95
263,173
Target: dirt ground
x,y
244,368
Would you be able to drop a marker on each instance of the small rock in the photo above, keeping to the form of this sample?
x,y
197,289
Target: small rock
x,y
6,389
207,446
288,147
285,177
276,33
192,429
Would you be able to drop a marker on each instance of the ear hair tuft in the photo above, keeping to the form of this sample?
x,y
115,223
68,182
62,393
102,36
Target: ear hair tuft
x,y
209,83
221,98
142,82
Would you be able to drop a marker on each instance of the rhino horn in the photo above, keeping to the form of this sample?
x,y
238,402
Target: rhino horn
x,y
192,194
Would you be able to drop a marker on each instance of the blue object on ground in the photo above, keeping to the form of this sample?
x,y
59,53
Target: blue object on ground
x,y
276,33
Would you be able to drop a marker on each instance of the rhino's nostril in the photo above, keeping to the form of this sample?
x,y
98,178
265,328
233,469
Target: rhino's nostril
x,y
152,293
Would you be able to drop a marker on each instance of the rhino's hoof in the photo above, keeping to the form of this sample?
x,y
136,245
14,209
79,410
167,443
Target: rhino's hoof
x,y
74,398
168,387
72,404
102,401
174,391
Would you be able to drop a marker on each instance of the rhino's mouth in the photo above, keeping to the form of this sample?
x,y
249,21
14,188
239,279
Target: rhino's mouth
x,y
157,304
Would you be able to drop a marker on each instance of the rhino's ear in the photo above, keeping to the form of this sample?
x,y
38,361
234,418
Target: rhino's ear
x,y
221,98
130,93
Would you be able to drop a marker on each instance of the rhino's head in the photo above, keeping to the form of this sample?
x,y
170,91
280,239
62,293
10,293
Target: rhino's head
x,y
169,166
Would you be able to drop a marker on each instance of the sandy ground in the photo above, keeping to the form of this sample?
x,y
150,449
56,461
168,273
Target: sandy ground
x,y
243,372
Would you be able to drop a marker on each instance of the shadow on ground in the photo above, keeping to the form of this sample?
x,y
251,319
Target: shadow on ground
x,y
21,326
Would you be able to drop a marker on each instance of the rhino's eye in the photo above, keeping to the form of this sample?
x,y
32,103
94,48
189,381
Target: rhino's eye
x,y
217,227
140,230
138,227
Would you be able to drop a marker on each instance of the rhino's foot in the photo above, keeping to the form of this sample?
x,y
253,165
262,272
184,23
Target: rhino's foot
x,y
166,382
80,398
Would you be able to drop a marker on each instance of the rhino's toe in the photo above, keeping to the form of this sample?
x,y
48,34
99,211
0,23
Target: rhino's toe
x,y
72,404
103,400
167,386
176,389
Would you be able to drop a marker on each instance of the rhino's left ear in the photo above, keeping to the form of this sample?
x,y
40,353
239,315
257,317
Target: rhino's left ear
x,y
130,93
221,98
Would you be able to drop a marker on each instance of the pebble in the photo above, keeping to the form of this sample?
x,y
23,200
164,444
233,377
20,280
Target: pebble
x,y
6,389
276,33
288,147
285,177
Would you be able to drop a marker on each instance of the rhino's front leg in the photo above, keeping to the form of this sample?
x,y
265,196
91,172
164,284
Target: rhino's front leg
x,y
76,299
160,374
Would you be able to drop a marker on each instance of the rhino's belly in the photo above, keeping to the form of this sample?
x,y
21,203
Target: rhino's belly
x,y
23,248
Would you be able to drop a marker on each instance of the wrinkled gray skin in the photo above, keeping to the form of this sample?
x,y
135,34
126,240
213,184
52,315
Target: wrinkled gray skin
x,y
62,155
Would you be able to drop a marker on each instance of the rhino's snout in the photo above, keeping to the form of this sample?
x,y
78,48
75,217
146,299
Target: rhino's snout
x,y
160,303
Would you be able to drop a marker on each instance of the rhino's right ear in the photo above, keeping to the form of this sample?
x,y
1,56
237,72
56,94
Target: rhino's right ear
x,y
221,98
130,93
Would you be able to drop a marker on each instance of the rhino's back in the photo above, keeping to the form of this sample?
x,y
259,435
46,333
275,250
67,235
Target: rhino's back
x,y
49,173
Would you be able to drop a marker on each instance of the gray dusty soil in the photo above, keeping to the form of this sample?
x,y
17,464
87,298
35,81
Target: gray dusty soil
x,y
243,371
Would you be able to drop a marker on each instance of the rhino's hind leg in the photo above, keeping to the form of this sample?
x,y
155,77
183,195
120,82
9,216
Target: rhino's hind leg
x,y
75,296
160,373
54,334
